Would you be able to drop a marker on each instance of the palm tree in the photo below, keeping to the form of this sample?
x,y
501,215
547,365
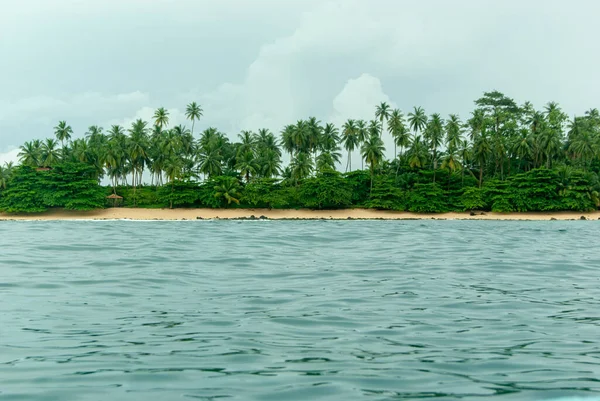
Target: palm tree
x,y
362,132
49,155
210,158
453,132
372,151
434,134
173,169
247,164
6,172
417,153
193,112
161,117
481,153
63,132
288,140
417,119
30,153
301,166
350,140
228,190
382,112
327,160
269,163
398,131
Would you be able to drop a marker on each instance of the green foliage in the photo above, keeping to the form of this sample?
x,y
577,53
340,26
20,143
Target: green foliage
x,y
72,186
427,198
473,199
180,193
359,182
328,190
385,195
267,193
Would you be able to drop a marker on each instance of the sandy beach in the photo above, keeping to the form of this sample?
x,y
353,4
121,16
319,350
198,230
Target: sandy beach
x,y
347,214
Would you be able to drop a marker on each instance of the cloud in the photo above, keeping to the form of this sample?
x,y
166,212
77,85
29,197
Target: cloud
x,y
358,100
10,156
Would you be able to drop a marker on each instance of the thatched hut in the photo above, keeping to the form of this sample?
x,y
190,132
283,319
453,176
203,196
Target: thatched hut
x,y
115,198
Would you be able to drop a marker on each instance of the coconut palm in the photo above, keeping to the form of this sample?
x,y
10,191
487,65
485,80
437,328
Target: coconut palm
x,y
193,112
161,117
301,166
49,154
372,152
362,132
398,130
269,163
434,134
453,132
417,153
417,119
481,152
382,112
350,140
63,132
247,164
228,190
6,172
30,153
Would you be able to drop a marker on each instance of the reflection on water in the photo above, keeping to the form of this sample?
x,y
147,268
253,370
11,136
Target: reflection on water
x,y
299,310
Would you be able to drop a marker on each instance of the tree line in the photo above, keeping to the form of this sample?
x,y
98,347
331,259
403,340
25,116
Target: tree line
x,y
499,142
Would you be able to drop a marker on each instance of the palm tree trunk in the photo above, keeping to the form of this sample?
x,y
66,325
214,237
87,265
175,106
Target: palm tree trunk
x,y
480,175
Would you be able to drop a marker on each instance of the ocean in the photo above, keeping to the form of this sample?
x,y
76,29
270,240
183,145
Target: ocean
x,y
299,310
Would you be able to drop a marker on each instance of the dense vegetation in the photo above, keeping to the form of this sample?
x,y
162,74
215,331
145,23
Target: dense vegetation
x,y
504,157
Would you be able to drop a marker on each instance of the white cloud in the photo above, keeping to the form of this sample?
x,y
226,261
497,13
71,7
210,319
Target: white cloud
x,y
90,105
10,156
358,100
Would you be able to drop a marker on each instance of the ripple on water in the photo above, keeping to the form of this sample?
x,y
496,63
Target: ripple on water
x,y
327,310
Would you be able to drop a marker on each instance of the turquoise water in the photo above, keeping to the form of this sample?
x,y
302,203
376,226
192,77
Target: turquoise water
x,y
323,310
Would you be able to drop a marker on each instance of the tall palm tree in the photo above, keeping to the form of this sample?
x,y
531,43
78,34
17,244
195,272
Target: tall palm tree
x,y
301,166
417,153
372,152
161,117
350,140
30,153
417,119
453,132
6,172
434,134
247,164
481,152
193,112
362,132
49,154
382,112
63,132
398,130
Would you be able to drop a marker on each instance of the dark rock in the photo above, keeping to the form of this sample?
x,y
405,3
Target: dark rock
x,y
582,218
472,214
263,218
252,217
483,214
553,218
199,218
349,218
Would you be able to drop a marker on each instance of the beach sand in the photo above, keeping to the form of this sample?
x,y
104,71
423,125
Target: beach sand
x,y
347,214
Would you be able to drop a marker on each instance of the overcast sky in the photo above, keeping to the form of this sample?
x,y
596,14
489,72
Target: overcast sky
x,y
266,63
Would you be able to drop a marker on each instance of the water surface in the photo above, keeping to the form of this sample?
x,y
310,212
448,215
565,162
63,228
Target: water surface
x,y
321,310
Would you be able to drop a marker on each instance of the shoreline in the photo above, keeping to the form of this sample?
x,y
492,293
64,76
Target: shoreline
x,y
287,214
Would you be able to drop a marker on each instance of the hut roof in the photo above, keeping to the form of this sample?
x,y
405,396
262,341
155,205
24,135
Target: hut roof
x,y
43,169
114,196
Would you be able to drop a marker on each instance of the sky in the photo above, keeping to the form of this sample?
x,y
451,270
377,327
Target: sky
x,y
266,63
